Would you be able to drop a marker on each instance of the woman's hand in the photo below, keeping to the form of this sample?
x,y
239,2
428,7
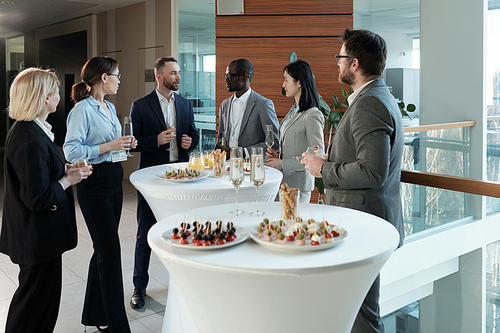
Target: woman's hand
x,y
270,153
122,143
75,175
272,159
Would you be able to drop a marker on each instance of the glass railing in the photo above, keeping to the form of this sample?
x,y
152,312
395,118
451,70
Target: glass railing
x,y
443,151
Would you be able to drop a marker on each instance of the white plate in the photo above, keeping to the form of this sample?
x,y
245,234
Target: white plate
x,y
291,247
203,175
241,235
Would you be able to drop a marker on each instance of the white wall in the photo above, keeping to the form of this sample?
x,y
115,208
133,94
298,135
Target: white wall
x,y
397,44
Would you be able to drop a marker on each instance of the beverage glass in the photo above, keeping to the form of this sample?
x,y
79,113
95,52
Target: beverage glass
x,y
289,198
208,159
236,175
170,148
257,174
81,162
127,130
315,151
269,136
219,162
225,139
196,161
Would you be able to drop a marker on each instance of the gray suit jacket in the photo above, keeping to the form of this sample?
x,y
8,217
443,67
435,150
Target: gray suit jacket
x,y
304,129
364,167
259,112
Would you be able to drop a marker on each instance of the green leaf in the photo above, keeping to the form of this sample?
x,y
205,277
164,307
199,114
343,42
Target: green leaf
x,y
344,92
335,103
325,108
411,108
335,116
319,184
293,56
401,105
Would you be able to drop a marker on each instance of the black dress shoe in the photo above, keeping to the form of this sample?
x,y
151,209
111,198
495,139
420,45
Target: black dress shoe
x,y
106,329
138,298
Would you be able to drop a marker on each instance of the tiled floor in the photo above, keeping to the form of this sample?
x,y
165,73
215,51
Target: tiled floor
x,y
75,265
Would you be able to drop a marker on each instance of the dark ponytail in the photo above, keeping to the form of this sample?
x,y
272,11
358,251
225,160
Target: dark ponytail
x,y
91,74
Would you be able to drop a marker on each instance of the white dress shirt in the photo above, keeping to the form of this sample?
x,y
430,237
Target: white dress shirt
x,y
170,114
238,106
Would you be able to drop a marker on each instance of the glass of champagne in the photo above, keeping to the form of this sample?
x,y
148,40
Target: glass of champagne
x,y
170,147
236,175
257,174
127,130
269,136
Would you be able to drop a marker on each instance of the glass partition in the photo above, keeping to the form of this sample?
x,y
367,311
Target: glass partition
x,y
493,100
197,60
442,152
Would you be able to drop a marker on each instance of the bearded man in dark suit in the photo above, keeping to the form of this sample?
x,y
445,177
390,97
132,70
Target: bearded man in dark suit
x,y
163,124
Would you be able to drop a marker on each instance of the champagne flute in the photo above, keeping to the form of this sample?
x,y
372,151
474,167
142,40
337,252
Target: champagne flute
x,y
170,148
236,175
127,130
257,174
269,136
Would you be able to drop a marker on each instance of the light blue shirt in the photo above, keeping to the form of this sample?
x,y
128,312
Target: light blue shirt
x,y
88,126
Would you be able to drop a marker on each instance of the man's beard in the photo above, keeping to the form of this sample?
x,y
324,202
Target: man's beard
x,y
171,86
347,78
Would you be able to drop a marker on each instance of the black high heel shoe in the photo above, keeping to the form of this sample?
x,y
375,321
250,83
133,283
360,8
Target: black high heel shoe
x,y
106,329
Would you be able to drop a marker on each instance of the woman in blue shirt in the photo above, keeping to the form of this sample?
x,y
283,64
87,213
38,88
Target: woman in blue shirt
x,y
94,132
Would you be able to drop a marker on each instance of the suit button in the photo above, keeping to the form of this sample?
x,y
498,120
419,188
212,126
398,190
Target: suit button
x,y
54,208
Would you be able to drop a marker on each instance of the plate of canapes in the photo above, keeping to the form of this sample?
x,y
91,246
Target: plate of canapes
x,y
298,235
182,175
208,236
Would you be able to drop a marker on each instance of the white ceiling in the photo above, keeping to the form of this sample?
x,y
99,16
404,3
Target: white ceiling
x,y
17,16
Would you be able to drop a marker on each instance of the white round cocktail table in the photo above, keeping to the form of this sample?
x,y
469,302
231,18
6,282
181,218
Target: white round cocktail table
x,y
252,288
169,197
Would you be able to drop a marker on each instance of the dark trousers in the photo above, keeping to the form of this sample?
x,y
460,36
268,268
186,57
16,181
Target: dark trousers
x,y
101,199
35,304
145,220
368,319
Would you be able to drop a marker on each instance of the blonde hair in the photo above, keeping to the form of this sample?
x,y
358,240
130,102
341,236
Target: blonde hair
x,y
29,91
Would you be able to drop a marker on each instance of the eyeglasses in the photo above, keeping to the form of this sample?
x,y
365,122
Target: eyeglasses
x,y
118,75
229,76
338,57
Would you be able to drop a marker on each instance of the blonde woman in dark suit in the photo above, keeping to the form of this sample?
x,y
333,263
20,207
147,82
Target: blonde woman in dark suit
x,y
38,223
301,128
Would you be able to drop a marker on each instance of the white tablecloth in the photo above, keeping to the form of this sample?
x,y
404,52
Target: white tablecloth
x,y
168,197
250,288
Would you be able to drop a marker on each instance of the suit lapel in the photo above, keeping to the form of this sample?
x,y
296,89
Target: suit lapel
x,y
155,106
295,117
52,145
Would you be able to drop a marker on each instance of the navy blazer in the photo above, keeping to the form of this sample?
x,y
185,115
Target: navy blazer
x,y
39,222
148,121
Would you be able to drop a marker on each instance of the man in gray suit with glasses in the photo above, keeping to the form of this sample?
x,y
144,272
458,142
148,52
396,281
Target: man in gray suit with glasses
x,y
363,169
245,114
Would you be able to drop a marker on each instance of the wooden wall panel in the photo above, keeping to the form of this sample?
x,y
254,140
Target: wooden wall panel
x,y
297,7
270,55
282,26
267,33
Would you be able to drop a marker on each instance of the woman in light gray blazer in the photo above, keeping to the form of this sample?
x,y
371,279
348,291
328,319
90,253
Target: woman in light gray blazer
x,y
301,128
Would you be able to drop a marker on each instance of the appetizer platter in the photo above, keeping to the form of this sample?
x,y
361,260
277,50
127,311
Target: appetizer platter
x,y
207,236
182,175
298,235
